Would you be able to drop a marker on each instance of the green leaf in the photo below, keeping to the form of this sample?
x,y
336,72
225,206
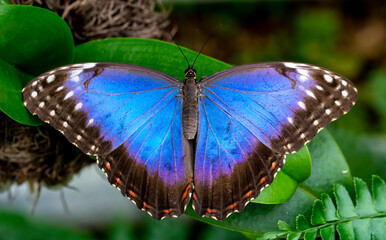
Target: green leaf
x,y
345,206
328,233
283,226
318,210
34,39
345,230
364,201
378,226
330,211
379,193
350,225
11,83
280,191
361,228
158,55
293,236
301,223
310,234
298,165
328,165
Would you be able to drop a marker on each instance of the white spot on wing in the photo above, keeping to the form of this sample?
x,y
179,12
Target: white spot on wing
x,y
34,94
316,122
302,71
78,137
52,113
328,78
41,104
68,95
302,105
88,65
319,88
290,120
75,72
59,89
290,65
328,111
344,93
34,83
78,106
311,94
65,124
50,78
90,121
337,103
75,79
344,83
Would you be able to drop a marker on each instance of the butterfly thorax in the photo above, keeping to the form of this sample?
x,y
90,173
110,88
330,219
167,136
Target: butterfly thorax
x,y
190,105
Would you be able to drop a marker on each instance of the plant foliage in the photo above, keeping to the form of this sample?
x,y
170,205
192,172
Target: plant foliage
x,y
364,220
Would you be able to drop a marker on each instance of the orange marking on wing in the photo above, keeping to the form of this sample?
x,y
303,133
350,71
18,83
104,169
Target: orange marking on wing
x,y
132,193
248,194
273,166
191,179
262,180
186,192
232,206
194,196
210,210
280,154
108,166
167,211
118,180
145,205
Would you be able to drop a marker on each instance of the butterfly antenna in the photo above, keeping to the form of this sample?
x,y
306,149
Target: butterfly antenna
x,y
179,48
207,40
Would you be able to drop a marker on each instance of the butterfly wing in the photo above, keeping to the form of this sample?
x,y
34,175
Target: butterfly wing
x,y
249,117
130,118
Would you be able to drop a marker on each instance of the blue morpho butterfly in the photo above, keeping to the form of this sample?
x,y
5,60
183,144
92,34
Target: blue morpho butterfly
x,y
162,142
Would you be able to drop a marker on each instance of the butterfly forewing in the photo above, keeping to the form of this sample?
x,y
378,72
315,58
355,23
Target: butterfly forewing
x,y
128,116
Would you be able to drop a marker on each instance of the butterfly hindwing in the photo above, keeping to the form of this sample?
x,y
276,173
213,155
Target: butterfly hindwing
x,y
232,166
130,118
250,116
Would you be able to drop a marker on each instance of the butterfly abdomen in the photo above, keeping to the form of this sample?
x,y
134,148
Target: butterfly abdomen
x,y
190,108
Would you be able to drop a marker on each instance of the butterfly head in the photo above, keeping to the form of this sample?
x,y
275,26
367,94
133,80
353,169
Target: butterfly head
x,y
190,72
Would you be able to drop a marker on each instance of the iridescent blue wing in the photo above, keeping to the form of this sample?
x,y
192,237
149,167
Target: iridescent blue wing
x,y
249,117
130,118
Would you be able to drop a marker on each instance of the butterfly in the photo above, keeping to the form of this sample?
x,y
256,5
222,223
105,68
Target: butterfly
x,y
217,142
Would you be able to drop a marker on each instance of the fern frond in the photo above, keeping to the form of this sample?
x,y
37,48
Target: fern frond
x,y
364,220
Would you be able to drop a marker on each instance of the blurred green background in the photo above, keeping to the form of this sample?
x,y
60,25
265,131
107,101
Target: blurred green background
x,y
347,37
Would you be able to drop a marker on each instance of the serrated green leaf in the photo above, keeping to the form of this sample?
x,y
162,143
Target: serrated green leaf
x,y
310,234
317,216
330,210
345,206
362,228
345,230
283,226
301,223
328,233
378,226
11,103
379,194
293,236
272,235
364,202
34,39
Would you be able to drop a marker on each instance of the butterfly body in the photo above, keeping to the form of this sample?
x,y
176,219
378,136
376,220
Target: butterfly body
x,y
190,105
163,143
